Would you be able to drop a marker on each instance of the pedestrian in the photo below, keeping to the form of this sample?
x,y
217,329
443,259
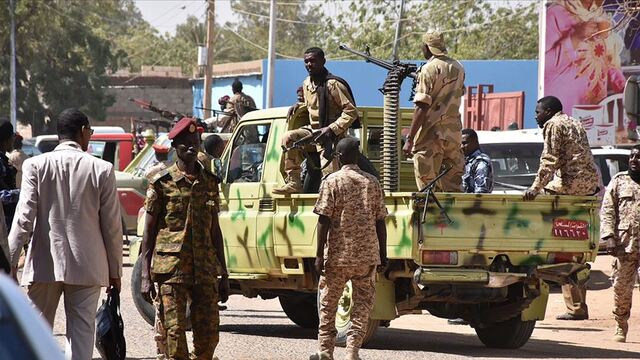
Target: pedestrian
x,y
620,229
17,157
566,168
9,192
478,171
161,153
182,248
434,136
351,243
332,111
69,214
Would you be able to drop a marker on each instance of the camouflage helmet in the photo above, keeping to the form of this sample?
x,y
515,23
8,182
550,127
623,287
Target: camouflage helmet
x,y
435,42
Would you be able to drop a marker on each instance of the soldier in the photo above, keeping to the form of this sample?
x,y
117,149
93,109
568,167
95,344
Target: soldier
x,y
434,136
214,146
182,247
566,168
329,101
351,223
162,158
478,172
620,228
9,192
238,105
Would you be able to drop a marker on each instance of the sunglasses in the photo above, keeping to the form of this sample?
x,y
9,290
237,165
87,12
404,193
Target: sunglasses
x,y
90,130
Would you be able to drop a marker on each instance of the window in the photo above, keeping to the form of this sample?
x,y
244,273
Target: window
x,y
513,164
247,154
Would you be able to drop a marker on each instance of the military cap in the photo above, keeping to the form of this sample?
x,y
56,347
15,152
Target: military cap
x,y
160,149
435,42
6,130
185,125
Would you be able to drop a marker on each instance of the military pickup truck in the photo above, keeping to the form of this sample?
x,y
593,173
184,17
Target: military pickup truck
x,y
483,258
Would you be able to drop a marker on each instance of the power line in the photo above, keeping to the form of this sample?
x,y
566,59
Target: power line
x,y
277,19
256,45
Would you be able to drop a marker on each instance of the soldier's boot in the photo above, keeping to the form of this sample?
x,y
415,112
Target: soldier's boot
x,y
621,333
293,185
321,355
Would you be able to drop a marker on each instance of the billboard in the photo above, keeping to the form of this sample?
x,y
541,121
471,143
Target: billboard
x,y
590,48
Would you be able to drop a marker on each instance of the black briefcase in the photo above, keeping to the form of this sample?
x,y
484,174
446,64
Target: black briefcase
x,y
110,340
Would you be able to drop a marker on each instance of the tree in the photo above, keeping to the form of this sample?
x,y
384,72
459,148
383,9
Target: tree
x,y
62,60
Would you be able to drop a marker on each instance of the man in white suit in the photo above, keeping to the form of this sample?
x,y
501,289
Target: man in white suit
x,y
68,211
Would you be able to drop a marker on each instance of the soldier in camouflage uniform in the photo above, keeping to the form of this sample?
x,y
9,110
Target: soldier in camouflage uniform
x,y
238,105
161,154
338,114
620,228
351,224
182,248
434,137
566,168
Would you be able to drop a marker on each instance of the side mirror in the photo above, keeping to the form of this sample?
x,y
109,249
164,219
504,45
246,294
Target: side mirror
x,y
632,98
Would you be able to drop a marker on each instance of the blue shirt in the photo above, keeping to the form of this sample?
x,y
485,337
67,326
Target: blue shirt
x,y
478,173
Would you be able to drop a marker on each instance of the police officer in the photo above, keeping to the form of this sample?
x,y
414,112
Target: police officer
x,y
620,228
182,247
434,136
566,168
332,110
352,239
9,192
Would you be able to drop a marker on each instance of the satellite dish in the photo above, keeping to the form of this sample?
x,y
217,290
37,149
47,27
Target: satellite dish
x,y
631,100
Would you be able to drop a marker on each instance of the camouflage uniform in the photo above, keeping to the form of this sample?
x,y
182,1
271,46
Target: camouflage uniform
x,y
567,168
566,163
478,173
440,87
341,108
238,105
620,219
354,201
156,168
184,262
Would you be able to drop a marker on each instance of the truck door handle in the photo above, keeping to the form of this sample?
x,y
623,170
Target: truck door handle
x,y
248,205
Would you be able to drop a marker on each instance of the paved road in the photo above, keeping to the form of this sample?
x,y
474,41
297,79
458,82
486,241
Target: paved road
x,y
258,329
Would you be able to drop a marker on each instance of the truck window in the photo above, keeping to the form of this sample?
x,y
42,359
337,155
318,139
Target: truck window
x,y
247,154
514,164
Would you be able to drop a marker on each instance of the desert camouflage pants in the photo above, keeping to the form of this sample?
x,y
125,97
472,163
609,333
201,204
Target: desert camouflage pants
x,y
623,287
205,319
331,287
294,157
575,298
442,147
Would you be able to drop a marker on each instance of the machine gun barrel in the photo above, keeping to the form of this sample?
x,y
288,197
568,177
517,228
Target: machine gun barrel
x,y
406,69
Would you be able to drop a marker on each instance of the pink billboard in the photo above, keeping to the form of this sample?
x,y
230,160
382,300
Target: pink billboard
x,y
591,47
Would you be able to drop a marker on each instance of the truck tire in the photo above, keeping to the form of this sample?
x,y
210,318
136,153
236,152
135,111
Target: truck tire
x,y
145,309
509,334
301,309
343,318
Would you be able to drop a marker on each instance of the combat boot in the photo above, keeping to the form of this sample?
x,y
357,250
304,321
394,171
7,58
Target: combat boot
x,y
352,355
621,333
321,355
293,185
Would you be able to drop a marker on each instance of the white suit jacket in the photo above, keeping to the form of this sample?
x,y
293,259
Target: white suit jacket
x,y
68,210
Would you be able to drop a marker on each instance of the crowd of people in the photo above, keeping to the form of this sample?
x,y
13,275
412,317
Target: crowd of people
x,y
67,212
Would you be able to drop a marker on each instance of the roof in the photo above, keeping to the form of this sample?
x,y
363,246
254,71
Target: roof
x,y
273,113
510,136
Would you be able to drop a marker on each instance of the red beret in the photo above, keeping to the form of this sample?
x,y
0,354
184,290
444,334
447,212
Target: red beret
x,y
184,125
160,149
223,100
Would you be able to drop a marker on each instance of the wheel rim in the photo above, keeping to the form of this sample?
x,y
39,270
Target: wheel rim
x,y
345,306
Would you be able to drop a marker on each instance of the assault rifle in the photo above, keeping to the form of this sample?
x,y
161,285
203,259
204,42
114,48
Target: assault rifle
x,y
214,111
312,139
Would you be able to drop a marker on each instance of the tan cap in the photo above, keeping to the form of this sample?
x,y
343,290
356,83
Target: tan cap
x,y
435,42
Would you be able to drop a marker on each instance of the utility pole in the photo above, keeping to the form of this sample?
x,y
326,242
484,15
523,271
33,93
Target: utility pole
x,y
271,58
14,105
394,53
208,71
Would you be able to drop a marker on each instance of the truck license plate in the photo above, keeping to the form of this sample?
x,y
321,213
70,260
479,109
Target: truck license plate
x,y
571,229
